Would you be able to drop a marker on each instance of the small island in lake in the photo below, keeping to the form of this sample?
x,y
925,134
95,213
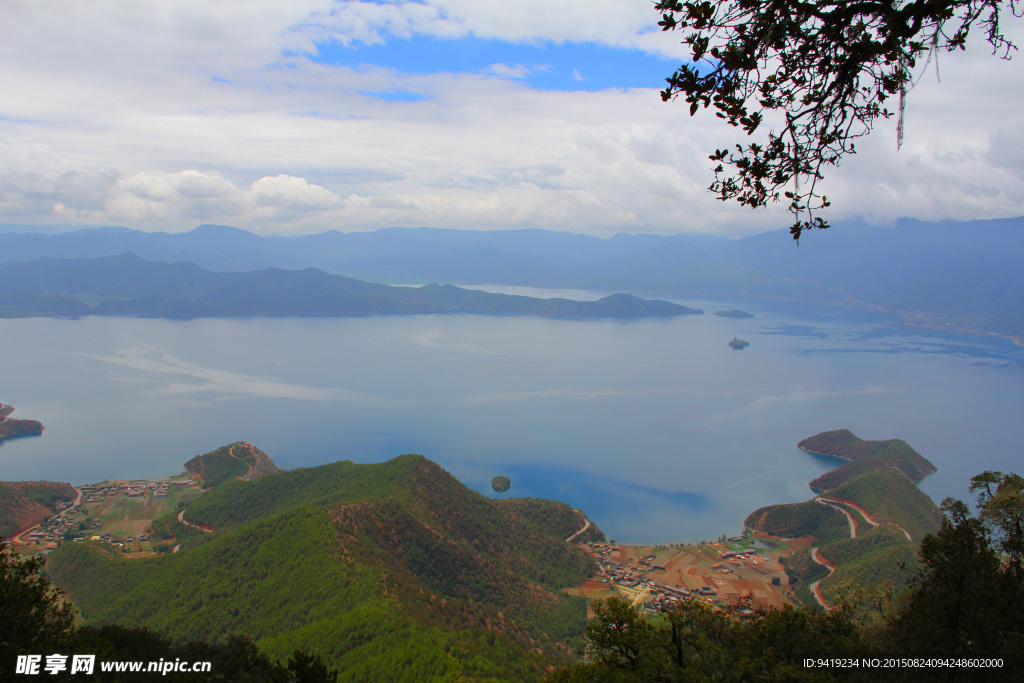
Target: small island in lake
x,y
501,483
734,314
11,427
739,344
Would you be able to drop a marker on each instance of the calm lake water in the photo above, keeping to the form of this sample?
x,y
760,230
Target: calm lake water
x,y
656,428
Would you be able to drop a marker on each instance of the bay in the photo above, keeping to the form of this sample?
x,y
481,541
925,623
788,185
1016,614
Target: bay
x,y
655,428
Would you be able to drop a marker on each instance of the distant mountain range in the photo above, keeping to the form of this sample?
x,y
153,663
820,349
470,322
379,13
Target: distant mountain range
x,y
128,285
964,274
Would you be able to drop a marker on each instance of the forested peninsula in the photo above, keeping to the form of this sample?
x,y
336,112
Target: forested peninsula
x,y
126,285
864,456
865,522
10,426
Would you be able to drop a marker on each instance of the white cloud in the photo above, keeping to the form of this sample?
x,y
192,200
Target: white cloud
x,y
293,193
509,70
612,23
163,115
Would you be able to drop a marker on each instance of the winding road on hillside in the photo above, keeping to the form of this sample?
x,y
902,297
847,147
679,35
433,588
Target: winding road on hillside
x,y
815,589
836,506
585,527
841,505
204,529
17,539
865,514
244,477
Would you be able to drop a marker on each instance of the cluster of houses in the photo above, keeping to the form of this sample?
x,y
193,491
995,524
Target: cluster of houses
x,y
109,539
735,557
134,489
53,529
635,577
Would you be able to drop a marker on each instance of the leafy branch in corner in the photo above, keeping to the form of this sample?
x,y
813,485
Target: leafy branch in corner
x,y
822,70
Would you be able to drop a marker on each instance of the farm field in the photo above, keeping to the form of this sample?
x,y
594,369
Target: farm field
x,y
123,516
725,572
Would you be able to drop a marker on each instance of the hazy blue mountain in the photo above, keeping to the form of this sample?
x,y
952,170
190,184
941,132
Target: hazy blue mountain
x,y
965,272
410,254
128,285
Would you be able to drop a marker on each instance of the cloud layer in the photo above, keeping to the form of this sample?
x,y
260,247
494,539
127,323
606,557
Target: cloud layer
x,y
163,115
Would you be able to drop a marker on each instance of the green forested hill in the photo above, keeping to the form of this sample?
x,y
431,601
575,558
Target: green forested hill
x,y
24,503
393,571
876,479
889,496
800,519
864,456
239,460
11,427
875,556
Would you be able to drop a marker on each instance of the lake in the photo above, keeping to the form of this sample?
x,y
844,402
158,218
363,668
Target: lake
x,y
656,428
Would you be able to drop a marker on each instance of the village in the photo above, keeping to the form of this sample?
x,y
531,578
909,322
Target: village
x,y
117,513
735,571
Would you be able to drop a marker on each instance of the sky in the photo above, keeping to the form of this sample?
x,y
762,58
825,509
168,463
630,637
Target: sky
x,y
299,116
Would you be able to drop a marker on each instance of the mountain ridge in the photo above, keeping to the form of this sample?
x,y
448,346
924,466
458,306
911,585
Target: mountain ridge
x,y
391,571
130,286
953,275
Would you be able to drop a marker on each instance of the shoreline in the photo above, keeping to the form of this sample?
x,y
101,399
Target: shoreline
x,y
827,455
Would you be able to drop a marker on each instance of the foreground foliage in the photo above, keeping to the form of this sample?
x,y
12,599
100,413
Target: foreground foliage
x,y
36,619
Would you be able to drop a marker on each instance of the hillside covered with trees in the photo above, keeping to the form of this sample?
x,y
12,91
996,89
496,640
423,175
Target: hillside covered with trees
x,y
24,503
126,285
864,456
866,520
239,460
389,571
10,426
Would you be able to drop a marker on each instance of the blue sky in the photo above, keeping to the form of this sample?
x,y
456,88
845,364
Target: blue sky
x,y
543,66
309,115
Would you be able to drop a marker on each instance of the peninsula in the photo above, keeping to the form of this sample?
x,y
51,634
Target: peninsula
x,y
126,285
9,426
864,456
863,523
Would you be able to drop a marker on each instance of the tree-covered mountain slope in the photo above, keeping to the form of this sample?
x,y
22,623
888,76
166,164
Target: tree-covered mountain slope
x,y
10,426
866,520
24,503
390,571
960,274
864,456
239,460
